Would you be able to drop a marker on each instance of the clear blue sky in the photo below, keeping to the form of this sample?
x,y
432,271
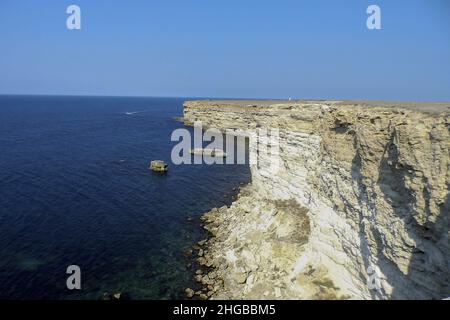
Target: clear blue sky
x,y
227,48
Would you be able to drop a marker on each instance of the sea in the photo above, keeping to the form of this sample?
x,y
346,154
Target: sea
x,y
76,189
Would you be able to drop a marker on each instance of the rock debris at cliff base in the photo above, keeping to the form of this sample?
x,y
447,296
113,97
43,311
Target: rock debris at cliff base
x,y
363,190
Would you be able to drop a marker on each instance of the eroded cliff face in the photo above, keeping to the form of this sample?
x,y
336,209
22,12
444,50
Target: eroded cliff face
x,y
359,207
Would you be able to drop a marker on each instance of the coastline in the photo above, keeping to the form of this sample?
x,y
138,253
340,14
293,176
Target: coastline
x,y
208,273
348,201
264,277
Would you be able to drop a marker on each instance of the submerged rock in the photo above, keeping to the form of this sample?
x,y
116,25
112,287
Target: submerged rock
x,y
112,296
189,292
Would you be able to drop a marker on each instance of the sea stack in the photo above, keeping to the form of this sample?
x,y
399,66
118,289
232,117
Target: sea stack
x,y
159,166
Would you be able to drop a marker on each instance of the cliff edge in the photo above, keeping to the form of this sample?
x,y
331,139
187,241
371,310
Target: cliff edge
x,y
358,209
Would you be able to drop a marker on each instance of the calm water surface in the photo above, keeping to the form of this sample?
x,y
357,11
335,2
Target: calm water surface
x,y
75,189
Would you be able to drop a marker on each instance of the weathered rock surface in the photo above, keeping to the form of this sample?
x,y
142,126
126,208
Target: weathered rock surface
x,y
158,166
359,207
189,293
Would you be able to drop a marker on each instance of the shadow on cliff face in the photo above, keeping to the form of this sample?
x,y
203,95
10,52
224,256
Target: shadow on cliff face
x,y
363,200
443,222
427,275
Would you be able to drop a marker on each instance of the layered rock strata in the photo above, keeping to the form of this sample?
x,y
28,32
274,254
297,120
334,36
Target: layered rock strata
x,y
358,207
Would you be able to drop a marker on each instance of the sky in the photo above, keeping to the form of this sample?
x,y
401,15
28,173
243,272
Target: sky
x,y
315,49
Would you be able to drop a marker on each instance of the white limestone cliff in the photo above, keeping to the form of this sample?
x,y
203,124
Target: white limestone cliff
x,y
359,207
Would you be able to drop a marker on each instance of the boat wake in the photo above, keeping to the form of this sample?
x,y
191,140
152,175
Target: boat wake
x,y
133,112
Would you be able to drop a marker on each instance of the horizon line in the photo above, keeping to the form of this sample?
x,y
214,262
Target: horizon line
x,y
216,98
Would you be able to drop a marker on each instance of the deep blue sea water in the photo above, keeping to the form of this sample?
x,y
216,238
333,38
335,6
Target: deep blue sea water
x,y
75,188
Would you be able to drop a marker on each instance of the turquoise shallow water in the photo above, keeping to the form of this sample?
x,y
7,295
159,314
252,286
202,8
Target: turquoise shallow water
x,y
76,189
